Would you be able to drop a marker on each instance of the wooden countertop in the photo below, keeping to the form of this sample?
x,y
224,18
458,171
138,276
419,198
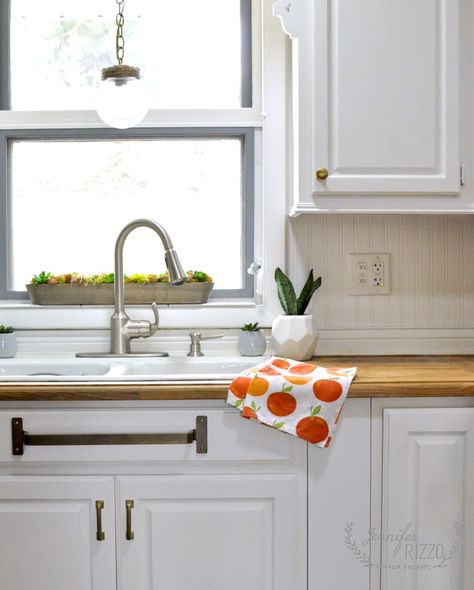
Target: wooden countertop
x,y
377,376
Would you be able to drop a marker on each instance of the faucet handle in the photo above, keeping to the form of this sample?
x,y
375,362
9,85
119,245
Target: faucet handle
x,y
143,328
154,326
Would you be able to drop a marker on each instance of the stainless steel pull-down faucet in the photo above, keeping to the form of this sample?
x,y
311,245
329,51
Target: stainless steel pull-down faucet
x,y
123,329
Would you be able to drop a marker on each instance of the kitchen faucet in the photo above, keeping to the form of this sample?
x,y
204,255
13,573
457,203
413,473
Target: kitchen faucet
x,y
123,329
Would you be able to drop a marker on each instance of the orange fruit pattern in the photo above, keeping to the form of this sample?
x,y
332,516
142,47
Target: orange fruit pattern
x,y
327,390
281,392
269,371
258,386
302,369
281,403
298,380
281,363
313,429
239,387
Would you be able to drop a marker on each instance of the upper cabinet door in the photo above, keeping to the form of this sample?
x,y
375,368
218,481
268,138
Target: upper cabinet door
x,y
378,94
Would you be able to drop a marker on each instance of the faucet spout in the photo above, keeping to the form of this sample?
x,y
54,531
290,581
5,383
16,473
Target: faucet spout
x,y
122,327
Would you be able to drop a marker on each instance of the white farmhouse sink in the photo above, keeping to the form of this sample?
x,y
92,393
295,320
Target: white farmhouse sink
x,y
185,368
45,368
179,368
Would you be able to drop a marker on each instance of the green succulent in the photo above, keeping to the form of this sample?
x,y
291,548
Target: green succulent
x,y
250,327
6,329
41,278
286,292
193,276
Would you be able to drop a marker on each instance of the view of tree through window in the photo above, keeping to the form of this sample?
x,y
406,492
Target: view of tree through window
x,y
186,60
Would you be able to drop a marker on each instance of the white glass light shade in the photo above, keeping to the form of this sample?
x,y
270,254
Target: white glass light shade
x,y
122,102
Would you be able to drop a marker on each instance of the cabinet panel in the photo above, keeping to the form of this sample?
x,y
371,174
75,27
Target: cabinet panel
x,y
230,438
391,78
48,531
379,88
207,532
428,499
339,503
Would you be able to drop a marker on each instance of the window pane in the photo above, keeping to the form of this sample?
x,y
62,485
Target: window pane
x,y
189,52
70,199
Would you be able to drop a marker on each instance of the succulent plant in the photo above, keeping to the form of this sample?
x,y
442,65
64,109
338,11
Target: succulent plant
x,y
6,329
194,276
286,292
250,327
42,277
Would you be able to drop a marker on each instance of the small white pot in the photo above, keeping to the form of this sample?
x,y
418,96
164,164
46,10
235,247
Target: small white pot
x,y
8,345
252,343
293,336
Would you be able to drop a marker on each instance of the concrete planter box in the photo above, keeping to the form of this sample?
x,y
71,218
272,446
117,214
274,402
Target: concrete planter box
x,y
74,294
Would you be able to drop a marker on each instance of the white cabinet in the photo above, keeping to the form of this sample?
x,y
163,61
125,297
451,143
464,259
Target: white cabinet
x,y
48,529
422,495
234,516
378,88
339,500
391,502
207,532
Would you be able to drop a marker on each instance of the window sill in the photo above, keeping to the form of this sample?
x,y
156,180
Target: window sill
x,y
23,315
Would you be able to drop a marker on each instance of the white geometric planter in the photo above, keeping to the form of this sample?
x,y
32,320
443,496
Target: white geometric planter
x,y
252,343
8,346
293,336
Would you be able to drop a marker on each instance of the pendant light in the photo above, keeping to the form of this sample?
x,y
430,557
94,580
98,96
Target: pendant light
x,y
121,99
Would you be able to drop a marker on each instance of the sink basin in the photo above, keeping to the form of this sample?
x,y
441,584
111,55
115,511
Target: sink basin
x,y
180,368
186,368
51,368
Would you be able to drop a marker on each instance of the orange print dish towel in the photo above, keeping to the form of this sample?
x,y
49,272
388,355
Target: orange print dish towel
x,y
301,399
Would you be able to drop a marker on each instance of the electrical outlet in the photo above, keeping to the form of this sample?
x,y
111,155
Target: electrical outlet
x,y
369,273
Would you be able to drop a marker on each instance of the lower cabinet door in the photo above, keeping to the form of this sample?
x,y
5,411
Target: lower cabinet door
x,y
48,533
428,499
210,533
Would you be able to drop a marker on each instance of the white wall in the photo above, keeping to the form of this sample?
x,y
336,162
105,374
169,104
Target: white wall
x,y
431,308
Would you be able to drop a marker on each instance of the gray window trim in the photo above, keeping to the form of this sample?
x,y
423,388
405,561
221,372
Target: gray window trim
x,y
4,54
248,188
246,97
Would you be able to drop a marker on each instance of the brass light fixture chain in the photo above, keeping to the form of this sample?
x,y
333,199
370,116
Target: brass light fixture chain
x,y
119,39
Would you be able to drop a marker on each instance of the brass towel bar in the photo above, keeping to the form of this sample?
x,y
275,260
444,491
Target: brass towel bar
x,y
199,434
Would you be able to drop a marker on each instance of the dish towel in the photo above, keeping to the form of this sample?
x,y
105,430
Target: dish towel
x,y
299,398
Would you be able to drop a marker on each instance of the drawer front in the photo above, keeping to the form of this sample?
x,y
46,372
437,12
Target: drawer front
x,y
229,436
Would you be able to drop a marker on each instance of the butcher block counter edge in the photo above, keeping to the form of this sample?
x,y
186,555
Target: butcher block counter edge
x,y
377,376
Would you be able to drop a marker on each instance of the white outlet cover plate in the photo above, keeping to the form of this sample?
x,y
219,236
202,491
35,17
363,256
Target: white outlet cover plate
x,y
365,275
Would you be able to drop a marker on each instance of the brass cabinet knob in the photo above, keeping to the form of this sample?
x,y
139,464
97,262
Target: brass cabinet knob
x,y
322,173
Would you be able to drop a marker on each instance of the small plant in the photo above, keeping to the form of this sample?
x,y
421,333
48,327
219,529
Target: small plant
x,y
41,278
250,327
6,329
47,278
286,292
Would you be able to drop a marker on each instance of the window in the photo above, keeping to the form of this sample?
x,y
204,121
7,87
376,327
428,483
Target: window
x,y
72,184
192,54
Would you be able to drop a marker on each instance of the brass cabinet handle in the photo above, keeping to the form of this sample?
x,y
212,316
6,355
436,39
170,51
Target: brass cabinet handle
x,y
20,438
129,535
322,173
99,506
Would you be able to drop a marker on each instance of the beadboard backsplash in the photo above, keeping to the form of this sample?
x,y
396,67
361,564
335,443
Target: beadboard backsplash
x,y
432,281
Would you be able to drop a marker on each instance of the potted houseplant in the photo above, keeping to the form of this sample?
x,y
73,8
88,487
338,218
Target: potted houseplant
x,y
8,346
251,340
293,335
